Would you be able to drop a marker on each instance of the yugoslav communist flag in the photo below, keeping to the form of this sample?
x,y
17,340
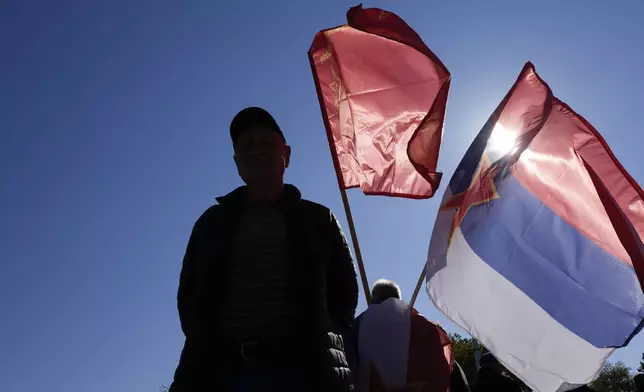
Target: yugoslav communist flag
x,y
537,248
383,95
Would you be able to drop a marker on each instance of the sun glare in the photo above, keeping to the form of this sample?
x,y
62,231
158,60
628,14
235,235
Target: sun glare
x,y
502,141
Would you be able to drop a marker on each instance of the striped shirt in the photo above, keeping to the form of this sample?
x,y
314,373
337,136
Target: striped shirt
x,y
256,303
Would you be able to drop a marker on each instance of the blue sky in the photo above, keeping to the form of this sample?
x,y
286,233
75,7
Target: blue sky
x,y
113,140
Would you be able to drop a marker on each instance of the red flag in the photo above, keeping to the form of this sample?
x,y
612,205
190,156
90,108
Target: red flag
x,y
383,94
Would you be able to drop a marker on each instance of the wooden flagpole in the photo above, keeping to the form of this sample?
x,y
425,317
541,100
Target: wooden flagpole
x,y
356,245
343,191
418,286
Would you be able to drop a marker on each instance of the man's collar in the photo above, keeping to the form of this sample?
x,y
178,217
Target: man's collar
x,y
292,195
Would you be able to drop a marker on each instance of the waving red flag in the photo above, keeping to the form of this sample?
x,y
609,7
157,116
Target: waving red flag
x,y
383,94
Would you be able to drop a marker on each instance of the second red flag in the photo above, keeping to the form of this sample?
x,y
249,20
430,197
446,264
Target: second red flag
x,y
383,95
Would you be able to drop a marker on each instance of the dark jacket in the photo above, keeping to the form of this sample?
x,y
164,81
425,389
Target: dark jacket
x,y
459,380
490,380
321,285
351,339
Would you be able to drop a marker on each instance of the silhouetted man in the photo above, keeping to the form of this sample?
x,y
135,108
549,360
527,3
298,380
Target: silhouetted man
x,y
638,380
490,377
267,282
393,347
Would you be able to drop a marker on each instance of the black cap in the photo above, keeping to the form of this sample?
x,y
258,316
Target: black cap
x,y
252,116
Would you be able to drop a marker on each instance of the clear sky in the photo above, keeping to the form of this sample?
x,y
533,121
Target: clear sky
x,y
114,138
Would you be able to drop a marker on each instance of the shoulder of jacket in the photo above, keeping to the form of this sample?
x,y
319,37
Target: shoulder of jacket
x,y
207,216
315,208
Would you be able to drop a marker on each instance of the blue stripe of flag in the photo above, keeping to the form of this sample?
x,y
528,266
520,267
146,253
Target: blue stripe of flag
x,y
577,282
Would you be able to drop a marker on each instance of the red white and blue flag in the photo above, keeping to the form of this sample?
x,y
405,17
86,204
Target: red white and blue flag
x,y
400,350
537,249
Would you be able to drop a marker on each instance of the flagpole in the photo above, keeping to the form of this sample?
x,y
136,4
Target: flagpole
x,y
356,245
343,191
418,285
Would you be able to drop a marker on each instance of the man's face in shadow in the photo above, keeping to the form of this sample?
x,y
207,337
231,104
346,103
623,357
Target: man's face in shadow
x,y
261,155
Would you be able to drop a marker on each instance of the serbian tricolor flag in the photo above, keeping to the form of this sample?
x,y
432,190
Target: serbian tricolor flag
x,y
399,350
537,247
383,94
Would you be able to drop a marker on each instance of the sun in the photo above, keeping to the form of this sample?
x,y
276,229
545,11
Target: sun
x,y
502,141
